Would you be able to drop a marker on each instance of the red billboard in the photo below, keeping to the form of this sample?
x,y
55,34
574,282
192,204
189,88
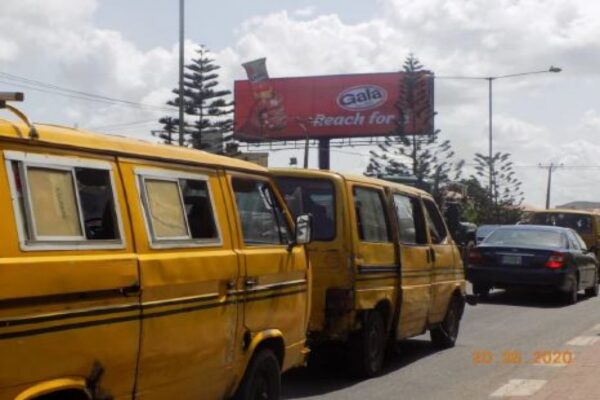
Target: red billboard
x,y
336,106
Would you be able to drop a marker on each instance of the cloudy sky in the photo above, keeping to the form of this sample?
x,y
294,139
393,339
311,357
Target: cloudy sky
x,y
128,50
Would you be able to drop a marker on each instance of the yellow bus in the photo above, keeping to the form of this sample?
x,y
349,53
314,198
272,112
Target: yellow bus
x,y
385,267
136,270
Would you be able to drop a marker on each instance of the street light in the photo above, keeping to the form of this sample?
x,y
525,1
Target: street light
x,y
490,79
181,57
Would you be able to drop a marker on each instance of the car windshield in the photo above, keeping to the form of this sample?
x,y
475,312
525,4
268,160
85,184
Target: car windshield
x,y
485,230
579,222
526,237
311,196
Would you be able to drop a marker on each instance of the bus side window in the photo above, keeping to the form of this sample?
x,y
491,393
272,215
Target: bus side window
x,y
411,224
371,215
435,223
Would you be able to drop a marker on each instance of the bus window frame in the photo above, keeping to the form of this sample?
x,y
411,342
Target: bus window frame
x,y
25,218
156,243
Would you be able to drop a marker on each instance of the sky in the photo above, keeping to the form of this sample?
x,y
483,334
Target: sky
x,y
128,50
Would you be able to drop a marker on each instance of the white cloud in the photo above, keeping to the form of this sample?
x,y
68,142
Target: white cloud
x,y
57,41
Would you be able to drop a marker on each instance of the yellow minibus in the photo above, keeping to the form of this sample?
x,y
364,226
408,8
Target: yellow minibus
x,y
137,270
385,267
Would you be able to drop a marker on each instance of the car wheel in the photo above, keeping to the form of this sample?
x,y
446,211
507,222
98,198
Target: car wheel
x,y
481,290
368,347
571,295
444,336
593,290
262,380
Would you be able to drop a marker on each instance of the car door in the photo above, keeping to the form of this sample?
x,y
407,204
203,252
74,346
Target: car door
x,y
584,260
416,265
442,254
274,274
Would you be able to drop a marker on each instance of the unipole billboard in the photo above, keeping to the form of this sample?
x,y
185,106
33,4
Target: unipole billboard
x,y
335,106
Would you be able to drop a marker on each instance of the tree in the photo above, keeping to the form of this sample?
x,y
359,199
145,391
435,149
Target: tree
x,y
206,106
500,204
426,158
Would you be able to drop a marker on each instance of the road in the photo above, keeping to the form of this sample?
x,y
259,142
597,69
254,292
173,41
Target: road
x,y
507,325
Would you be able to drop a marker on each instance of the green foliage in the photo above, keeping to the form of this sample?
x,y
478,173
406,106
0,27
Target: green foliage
x,y
427,158
501,204
206,106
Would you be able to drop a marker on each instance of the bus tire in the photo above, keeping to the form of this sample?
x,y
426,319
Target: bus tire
x,y
444,336
262,380
368,346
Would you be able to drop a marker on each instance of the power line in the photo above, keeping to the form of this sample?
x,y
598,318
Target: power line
x,y
123,124
19,81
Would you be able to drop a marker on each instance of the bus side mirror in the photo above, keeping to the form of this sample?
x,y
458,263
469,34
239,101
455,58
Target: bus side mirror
x,y
303,229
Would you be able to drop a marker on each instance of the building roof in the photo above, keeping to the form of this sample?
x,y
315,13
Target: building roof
x,y
566,211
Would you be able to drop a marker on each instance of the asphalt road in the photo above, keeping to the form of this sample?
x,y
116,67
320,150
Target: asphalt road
x,y
506,325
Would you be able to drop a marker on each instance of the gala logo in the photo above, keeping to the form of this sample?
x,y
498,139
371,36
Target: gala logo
x,y
362,97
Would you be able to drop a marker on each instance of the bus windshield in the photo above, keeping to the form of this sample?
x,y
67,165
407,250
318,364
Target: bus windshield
x,y
311,196
579,222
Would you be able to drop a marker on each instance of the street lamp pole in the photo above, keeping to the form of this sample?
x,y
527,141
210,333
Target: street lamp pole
x,y
490,79
491,164
181,54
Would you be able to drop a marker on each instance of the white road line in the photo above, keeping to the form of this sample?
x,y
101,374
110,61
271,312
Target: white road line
x,y
519,387
583,341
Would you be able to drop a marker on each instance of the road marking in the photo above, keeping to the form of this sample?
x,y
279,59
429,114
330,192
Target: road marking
x,y
596,327
583,341
519,387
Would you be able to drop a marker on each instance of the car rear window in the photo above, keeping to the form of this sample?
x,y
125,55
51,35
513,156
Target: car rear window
x,y
311,196
579,222
526,237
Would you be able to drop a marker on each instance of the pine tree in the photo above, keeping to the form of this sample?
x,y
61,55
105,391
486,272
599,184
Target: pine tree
x,y
208,125
426,158
501,204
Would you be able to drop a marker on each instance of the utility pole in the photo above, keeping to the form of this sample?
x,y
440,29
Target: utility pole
x,y
550,167
181,54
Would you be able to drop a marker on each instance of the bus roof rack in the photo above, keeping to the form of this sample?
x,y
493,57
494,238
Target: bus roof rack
x,y
5,97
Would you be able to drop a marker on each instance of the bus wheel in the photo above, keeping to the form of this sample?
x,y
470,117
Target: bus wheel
x,y
444,336
262,380
368,347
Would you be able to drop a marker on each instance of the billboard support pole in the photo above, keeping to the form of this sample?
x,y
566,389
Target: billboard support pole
x,y
324,153
306,143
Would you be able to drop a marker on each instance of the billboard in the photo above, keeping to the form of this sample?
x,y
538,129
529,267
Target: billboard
x,y
335,106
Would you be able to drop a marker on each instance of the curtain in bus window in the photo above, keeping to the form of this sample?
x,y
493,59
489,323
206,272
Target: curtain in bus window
x,y
165,208
53,202
406,222
371,216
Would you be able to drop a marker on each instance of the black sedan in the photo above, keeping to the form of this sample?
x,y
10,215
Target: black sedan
x,y
534,256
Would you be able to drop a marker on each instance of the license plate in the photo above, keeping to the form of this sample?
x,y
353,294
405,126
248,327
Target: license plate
x,y
512,260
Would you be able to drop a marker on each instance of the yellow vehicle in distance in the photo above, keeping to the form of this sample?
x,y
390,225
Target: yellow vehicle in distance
x,y
135,270
585,223
384,265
